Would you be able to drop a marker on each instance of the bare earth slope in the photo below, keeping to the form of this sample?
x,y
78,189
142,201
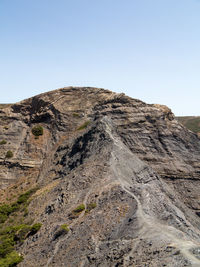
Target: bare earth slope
x,y
132,165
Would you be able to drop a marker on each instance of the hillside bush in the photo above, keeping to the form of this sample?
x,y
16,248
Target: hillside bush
x,y
37,130
35,228
64,227
80,208
23,198
3,142
9,154
12,229
11,259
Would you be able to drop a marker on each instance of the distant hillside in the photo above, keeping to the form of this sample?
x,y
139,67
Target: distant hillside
x,y
4,105
191,122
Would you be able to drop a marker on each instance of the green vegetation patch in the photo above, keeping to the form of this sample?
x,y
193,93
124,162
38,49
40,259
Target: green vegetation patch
x,y
20,204
21,232
9,154
62,230
6,245
35,228
37,130
12,232
23,198
91,206
83,126
6,210
11,259
80,208
76,115
3,142
10,236
3,218
65,228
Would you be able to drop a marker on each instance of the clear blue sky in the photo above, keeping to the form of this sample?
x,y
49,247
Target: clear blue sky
x,y
148,49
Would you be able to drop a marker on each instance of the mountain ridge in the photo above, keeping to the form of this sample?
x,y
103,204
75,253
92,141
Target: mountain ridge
x,y
129,168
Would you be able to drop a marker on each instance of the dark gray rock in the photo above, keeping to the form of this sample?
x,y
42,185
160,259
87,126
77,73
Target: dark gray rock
x,y
138,165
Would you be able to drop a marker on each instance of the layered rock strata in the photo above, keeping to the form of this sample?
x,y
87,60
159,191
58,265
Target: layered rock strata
x,y
134,169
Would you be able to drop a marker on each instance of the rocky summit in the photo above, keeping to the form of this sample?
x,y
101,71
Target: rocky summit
x,y
91,178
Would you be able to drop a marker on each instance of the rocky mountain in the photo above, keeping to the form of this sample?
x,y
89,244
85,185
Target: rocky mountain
x,y
89,177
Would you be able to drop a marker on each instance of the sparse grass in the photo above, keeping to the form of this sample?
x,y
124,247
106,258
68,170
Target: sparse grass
x,y
46,189
25,210
65,228
80,208
76,115
83,126
62,230
23,198
3,142
3,218
13,231
17,233
13,235
11,259
20,204
37,131
35,228
9,154
91,206
6,210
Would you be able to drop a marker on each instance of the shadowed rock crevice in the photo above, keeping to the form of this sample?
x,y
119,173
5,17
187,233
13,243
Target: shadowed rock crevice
x,y
83,147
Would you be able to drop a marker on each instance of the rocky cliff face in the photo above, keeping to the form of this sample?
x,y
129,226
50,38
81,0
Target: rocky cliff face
x,y
117,180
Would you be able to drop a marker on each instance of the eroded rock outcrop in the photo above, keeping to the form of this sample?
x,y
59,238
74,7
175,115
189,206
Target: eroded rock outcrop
x,y
117,180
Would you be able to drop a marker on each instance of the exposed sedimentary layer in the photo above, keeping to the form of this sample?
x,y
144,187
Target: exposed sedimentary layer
x,y
131,166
